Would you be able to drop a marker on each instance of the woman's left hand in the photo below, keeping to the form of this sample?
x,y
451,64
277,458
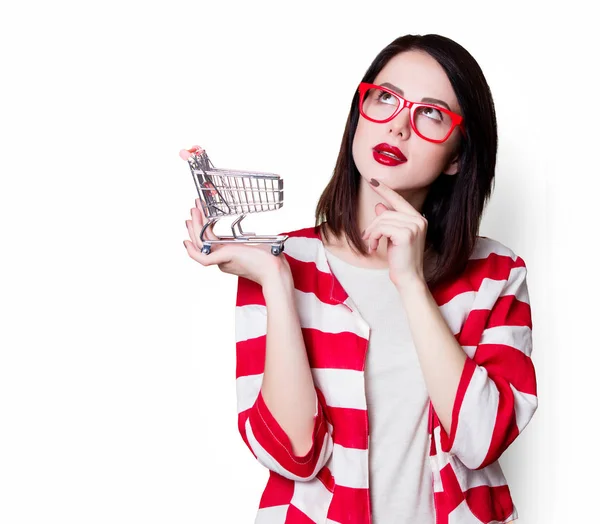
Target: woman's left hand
x,y
405,229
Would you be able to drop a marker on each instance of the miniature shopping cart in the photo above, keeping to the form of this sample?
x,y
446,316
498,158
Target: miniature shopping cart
x,y
227,193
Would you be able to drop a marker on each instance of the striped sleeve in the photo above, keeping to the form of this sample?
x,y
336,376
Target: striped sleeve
x,y
258,427
497,392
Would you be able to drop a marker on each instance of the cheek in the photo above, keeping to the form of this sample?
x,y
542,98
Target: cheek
x,y
433,157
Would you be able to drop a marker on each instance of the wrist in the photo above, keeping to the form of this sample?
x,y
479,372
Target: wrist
x,y
412,285
278,277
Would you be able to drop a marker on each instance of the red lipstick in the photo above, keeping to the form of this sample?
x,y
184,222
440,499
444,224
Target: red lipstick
x,y
388,155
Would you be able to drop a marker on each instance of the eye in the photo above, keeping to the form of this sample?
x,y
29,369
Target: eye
x,y
431,112
385,97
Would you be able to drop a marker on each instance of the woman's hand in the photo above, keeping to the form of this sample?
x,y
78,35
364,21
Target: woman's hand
x,y
405,230
254,262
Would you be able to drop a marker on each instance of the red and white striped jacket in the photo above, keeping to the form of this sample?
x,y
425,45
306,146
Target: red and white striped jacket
x,y
487,308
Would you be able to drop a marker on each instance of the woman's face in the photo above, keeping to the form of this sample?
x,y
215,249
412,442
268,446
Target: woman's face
x,y
418,76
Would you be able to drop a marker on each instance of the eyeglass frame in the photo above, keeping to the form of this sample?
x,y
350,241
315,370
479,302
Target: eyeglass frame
x,y
457,120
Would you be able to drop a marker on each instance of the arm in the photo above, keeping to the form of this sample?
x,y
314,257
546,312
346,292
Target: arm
x,y
483,399
280,415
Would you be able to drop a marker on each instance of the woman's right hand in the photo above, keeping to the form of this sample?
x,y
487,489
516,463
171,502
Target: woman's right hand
x,y
252,261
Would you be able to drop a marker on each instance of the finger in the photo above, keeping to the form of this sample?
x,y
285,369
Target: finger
x,y
190,230
400,234
198,223
396,217
396,201
203,220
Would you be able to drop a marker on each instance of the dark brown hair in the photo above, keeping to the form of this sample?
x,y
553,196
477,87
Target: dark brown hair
x,y
454,204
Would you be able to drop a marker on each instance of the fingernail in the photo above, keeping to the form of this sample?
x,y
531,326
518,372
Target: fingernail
x,y
184,244
374,182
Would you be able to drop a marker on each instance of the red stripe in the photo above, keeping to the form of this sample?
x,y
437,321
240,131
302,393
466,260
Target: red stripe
x,y
249,293
509,364
349,505
250,355
309,279
278,491
452,490
343,350
505,428
463,384
326,478
444,293
350,427
494,267
509,311
295,516
471,332
490,504
242,417
271,436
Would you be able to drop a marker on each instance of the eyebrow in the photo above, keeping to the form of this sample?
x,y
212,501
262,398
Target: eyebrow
x,y
425,99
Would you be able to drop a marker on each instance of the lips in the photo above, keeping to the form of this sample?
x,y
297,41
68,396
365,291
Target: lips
x,y
390,152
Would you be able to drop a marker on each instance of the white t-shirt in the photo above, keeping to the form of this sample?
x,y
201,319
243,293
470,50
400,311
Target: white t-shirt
x,y
400,480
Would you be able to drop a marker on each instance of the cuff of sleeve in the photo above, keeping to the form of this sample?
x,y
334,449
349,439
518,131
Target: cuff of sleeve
x,y
276,442
463,384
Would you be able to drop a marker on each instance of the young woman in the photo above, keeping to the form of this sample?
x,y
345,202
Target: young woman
x,y
384,363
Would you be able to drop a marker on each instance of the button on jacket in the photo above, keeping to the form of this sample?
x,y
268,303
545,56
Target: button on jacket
x,y
487,308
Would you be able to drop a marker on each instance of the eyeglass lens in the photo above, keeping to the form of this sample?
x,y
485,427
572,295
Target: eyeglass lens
x,y
430,122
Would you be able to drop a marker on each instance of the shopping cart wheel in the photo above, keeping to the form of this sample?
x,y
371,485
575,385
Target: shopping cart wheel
x,y
206,249
276,250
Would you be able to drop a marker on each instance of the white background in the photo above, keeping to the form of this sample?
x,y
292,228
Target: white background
x,y
117,364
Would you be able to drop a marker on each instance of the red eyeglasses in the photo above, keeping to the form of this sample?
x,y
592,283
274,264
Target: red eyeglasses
x,y
433,123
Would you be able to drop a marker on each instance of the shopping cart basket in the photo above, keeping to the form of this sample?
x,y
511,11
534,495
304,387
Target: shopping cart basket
x,y
227,193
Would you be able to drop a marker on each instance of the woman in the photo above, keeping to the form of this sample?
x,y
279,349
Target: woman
x,y
384,363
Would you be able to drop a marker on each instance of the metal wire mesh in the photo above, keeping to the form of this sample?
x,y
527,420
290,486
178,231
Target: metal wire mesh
x,y
228,192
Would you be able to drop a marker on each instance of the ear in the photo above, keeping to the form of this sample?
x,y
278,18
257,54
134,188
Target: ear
x,y
452,166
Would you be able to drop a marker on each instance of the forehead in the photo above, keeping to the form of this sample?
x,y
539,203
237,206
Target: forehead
x,y
418,75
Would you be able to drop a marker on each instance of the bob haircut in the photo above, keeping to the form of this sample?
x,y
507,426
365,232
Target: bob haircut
x,y
454,204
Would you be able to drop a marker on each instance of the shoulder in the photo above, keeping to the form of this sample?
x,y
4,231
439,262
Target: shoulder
x,y
489,249
494,267
303,244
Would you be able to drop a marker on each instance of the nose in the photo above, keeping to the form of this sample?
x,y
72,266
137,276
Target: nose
x,y
400,124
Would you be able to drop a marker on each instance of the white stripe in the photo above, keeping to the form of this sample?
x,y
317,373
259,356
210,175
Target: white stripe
x,y
456,311
247,389
313,499
491,475
484,247
272,515
476,419
491,290
438,461
306,250
517,284
518,337
267,460
350,467
250,322
488,294
470,350
525,406
329,318
343,388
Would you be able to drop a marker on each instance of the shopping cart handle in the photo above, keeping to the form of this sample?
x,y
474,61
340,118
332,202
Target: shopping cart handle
x,y
186,153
